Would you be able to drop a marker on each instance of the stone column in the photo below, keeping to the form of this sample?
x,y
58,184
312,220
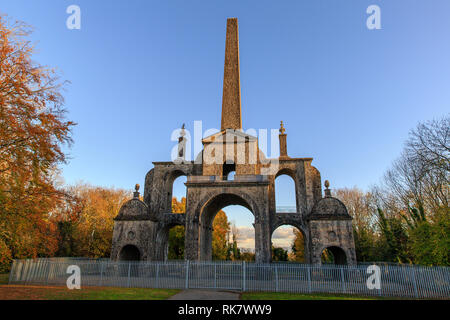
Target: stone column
x,y
263,250
191,236
283,144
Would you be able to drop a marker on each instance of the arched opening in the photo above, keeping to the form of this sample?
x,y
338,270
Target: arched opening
x,y
241,235
129,253
175,247
285,192
228,236
333,255
228,171
170,243
289,244
177,195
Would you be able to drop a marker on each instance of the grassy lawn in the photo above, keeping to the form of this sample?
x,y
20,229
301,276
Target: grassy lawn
x,y
298,296
107,293
36,292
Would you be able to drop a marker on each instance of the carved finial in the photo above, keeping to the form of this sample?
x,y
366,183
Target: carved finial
x,y
182,127
136,190
182,132
327,190
282,130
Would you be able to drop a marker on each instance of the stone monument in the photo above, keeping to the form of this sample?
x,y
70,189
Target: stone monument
x,y
141,228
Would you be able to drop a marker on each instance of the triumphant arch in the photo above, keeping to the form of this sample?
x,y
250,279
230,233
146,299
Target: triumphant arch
x,y
144,224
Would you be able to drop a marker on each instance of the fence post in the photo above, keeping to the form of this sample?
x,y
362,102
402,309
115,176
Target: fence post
x,y
128,279
243,275
51,268
276,278
27,268
309,279
157,275
101,274
48,272
215,276
344,289
416,294
187,274
22,272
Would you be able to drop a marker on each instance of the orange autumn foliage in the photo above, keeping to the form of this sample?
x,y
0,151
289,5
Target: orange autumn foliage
x,y
85,223
32,132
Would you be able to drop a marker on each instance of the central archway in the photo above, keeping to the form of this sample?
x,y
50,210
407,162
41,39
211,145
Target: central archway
x,y
207,215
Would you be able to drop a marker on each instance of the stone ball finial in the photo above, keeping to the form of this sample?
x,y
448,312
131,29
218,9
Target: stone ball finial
x,y
327,190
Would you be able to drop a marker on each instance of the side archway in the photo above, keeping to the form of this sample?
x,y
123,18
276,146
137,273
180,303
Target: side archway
x,y
129,252
334,255
285,191
170,180
292,238
162,242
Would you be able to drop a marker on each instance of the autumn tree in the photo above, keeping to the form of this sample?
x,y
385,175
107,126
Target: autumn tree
x,y
220,241
298,246
176,234
86,224
279,254
33,130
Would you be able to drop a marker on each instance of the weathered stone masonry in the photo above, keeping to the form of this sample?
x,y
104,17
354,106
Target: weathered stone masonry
x,y
141,229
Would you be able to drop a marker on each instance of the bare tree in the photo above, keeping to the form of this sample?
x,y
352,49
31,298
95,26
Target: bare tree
x,y
360,205
420,177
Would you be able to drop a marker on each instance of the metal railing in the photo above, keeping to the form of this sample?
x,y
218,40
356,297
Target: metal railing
x,y
395,281
286,209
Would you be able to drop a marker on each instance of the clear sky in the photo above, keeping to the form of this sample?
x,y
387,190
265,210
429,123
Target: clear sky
x,y
139,69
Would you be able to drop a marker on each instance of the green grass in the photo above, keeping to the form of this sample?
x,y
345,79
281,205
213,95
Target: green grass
x,y
298,296
85,293
110,294
4,278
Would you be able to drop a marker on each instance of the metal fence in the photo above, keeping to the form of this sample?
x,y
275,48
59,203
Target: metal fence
x,y
396,281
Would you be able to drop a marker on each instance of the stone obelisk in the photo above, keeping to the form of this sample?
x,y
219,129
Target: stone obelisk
x,y
231,99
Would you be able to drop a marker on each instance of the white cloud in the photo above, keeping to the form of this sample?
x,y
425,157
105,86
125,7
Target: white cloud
x,y
246,237
282,237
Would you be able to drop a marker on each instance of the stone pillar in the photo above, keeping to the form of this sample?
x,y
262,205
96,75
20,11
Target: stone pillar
x,y
263,249
283,144
191,251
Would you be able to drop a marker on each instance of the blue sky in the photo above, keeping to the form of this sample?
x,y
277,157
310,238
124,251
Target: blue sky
x,y
139,69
